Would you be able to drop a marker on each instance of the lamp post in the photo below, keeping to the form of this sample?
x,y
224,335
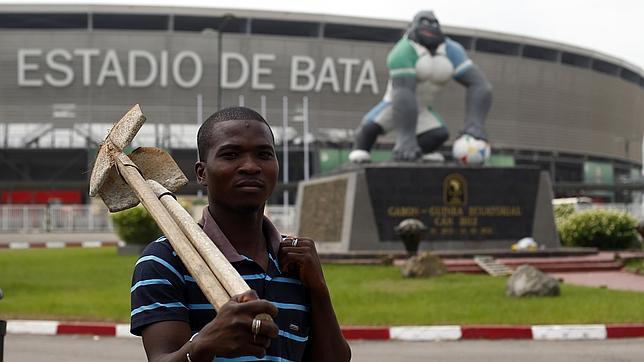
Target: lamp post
x,y
225,19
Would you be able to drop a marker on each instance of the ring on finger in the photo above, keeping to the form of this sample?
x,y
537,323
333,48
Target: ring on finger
x,y
255,326
294,242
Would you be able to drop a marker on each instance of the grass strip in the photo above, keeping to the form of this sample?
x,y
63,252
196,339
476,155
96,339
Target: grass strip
x,y
94,285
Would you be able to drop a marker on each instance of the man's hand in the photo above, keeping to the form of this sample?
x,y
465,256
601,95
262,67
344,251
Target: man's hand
x,y
298,256
230,334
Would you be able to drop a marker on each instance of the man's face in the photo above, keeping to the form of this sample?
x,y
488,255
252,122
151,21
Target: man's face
x,y
241,169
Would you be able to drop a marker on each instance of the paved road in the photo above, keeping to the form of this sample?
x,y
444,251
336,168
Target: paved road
x,y
24,348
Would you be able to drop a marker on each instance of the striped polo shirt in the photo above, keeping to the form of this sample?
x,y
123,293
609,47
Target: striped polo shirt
x,y
163,290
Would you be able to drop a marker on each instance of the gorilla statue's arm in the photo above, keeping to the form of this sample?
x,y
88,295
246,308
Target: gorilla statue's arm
x,y
405,117
478,100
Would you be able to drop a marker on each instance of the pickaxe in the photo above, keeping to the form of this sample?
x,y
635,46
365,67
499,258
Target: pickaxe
x,y
121,182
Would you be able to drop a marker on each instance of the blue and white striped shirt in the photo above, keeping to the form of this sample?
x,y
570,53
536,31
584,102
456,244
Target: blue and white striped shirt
x,y
163,290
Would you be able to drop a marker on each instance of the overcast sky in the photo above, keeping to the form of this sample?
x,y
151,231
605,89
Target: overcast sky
x,y
614,27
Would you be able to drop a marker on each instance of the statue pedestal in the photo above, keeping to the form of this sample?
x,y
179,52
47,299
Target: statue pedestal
x,y
463,207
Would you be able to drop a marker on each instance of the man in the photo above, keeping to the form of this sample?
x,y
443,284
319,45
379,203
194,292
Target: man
x,y
238,165
420,65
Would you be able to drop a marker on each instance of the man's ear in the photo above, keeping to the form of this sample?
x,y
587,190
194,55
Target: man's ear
x,y
200,171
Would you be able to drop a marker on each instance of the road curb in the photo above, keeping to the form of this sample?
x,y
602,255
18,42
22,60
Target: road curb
x,y
399,333
59,244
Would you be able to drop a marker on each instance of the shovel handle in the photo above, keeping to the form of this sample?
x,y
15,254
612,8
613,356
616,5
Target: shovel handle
x,y
223,270
197,267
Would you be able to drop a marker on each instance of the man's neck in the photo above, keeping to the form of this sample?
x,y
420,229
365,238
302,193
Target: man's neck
x,y
244,230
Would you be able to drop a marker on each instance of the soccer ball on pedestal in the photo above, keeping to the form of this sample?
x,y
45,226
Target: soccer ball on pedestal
x,y
468,150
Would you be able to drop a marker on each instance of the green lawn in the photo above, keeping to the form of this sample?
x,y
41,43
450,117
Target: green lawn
x,y
635,266
72,283
93,284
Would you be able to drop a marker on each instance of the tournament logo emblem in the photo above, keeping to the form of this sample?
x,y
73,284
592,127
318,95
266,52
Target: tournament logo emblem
x,y
455,190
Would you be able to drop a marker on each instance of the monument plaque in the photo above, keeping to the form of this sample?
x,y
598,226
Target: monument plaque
x,y
455,204
463,207
324,209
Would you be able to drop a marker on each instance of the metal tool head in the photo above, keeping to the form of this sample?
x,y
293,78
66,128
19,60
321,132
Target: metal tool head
x,y
153,164
117,138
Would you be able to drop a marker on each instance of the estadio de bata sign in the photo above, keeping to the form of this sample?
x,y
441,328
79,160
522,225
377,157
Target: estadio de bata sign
x,y
37,68
138,68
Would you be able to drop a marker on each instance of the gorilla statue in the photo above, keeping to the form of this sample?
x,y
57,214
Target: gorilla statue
x,y
420,65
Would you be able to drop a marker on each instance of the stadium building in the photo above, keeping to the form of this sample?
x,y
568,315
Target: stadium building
x,y
67,72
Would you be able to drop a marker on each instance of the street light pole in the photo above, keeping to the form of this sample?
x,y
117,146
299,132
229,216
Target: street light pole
x,y
224,21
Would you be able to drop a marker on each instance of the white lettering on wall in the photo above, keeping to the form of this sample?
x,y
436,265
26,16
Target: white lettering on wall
x,y
328,75
348,72
164,68
65,69
140,68
297,72
24,67
137,68
259,71
304,78
111,68
86,56
367,77
133,56
243,76
176,69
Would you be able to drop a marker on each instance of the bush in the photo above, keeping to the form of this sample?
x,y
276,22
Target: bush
x,y
135,225
563,211
604,229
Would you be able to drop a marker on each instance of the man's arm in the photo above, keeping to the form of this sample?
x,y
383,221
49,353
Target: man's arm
x,y
478,100
326,342
228,335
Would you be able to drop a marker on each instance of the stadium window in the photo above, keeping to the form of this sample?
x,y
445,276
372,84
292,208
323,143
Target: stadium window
x,y
199,23
576,60
42,21
497,46
569,171
465,41
368,33
605,67
541,53
130,22
194,23
629,76
288,28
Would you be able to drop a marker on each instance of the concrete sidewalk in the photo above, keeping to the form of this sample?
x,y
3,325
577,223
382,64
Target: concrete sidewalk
x,y
619,280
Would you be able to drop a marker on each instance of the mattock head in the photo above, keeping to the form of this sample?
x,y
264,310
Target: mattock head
x,y
153,163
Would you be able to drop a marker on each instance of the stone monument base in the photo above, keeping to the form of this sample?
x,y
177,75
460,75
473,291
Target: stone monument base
x,y
473,208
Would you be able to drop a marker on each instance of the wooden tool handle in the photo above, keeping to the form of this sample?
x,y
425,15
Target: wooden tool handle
x,y
197,267
220,266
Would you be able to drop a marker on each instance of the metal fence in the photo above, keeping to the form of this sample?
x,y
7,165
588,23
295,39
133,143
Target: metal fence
x,y
54,218
283,217
23,218
81,218
92,218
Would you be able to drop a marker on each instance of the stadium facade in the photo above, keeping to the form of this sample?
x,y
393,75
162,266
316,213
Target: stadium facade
x,y
67,72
